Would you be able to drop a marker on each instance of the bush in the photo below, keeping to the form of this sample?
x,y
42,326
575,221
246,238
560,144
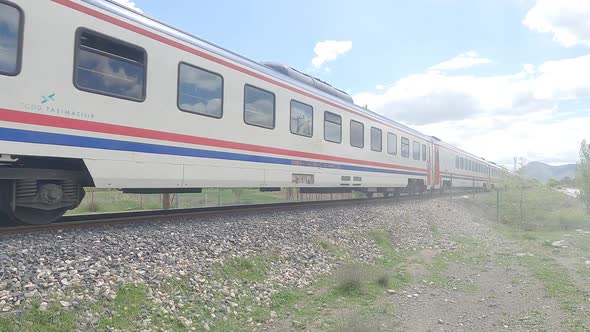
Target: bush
x,y
350,279
383,279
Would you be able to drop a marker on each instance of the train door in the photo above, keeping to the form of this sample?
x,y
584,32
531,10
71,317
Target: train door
x,y
436,167
429,168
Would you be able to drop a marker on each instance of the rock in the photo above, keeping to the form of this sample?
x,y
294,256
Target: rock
x,y
587,263
43,306
558,244
391,291
309,292
297,323
65,304
440,321
273,314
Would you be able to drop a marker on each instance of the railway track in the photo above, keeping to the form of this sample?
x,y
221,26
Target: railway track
x,y
131,217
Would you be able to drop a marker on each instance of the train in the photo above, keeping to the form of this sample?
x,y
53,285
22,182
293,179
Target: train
x,y
98,95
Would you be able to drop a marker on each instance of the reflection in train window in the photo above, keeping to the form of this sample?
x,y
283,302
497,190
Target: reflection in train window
x,y
416,151
357,134
391,143
200,91
376,139
405,147
10,38
301,119
332,127
108,66
259,107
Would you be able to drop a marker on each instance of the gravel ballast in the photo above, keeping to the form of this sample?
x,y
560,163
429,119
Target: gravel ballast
x,y
78,266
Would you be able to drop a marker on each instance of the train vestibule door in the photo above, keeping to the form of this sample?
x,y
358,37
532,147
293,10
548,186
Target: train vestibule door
x,y
436,167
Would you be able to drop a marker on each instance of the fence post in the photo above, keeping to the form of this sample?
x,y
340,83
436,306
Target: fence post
x,y
521,211
166,201
451,190
497,205
92,208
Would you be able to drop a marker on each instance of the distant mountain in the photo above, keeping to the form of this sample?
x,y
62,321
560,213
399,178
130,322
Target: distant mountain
x,y
543,172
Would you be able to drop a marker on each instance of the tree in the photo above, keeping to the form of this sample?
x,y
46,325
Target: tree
x,y
552,183
583,174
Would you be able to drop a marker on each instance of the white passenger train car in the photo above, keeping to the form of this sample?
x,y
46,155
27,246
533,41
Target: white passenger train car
x,y
460,169
97,95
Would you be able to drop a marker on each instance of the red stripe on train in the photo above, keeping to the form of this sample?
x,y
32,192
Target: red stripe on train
x,y
105,128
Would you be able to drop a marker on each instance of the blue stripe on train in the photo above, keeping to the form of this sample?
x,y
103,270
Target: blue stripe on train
x,y
27,136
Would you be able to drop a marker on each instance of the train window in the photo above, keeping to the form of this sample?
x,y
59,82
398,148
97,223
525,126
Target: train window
x,y
332,127
259,107
11,28
301,119
461,163
428,157
405,147
391,143
108,66
423,152
416,150
376,139
457,162
200,91
357,134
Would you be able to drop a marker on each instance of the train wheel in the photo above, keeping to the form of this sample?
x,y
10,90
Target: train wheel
x,y
31,216
33,202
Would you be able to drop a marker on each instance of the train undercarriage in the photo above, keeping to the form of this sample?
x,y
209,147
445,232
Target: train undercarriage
x,y
39,190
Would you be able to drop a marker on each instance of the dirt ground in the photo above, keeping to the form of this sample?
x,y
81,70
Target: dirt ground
x,y
496,279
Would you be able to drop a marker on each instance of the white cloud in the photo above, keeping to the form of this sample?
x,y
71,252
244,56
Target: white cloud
x,y
567,20
329,50
379,87
495,116
461,61
130,4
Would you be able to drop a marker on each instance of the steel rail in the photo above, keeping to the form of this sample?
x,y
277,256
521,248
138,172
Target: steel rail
x,y
144,216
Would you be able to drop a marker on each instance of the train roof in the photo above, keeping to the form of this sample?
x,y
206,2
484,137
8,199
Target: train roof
x,y
147,21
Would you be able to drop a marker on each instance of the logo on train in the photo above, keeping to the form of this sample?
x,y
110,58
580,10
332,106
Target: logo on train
x,y
48,106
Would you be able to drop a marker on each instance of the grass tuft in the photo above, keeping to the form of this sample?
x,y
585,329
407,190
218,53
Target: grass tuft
x,y
383,279
253,268
350,279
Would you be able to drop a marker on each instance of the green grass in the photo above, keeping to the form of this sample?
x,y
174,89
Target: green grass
x,y
55,318
253,268
335,250
97,200
542,209
558,284
126,308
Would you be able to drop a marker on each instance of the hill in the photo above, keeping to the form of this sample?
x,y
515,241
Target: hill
x,y
543,172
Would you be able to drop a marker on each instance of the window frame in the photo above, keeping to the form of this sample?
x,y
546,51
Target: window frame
x,y
340,117
363,135
20,40
79,32
291,118
380,136
414,150
394,135
402,144
205,70
274,108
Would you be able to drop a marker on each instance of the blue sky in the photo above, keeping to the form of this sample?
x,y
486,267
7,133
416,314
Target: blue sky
x,y
467,71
